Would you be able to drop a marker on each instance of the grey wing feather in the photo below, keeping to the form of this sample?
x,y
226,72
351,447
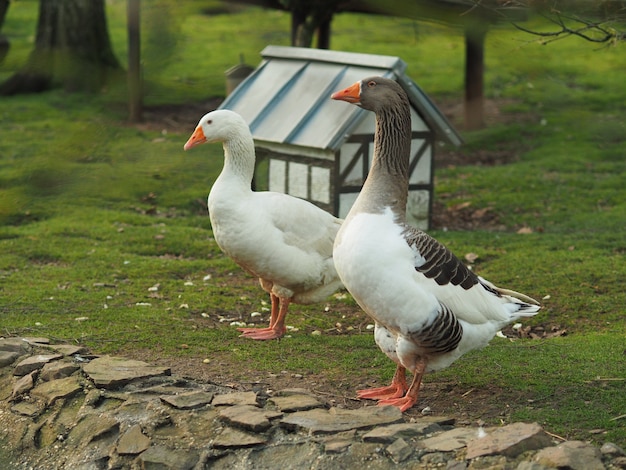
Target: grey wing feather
x,y
437,262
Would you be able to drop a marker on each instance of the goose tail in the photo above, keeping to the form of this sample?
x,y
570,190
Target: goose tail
x,y
518,304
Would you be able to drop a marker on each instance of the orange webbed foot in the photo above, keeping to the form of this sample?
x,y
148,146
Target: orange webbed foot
x,y
261,334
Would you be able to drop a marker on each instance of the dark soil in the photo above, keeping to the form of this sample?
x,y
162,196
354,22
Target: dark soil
x,y
490,404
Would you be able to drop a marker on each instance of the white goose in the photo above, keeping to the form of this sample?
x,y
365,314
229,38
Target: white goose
x,y
429,309
284,241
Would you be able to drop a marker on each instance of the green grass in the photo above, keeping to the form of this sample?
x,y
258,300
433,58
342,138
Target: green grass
x,y
96,212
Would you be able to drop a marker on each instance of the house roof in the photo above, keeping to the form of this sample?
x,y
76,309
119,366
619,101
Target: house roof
x,y
286,99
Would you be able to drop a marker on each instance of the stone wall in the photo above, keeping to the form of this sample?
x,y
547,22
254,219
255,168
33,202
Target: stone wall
x,y
64,408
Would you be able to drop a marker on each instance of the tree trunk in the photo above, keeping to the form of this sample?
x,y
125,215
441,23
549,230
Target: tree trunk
x,y
323,34
474,70
134,61
4,41
72,49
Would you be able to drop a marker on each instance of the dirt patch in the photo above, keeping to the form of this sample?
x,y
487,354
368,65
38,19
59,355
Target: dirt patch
x,y
180,118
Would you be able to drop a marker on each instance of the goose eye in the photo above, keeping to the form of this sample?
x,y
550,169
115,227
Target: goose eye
x,y
210,121
371,83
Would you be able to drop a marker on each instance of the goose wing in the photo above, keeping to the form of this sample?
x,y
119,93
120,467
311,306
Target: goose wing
x,y
469,297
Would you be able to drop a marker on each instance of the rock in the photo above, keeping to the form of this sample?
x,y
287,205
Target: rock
x,y
57,370
335,420
575,455
148,421
36,340
91,428
619,462
336,446
67,349
30,409
161,458
299,456
612,450
33,363
455,465
233,438
249,417
7,358
16,345
510,440
388,434
55,389
399,450
296,402
236,398
449,440
531,466
23,385
111,372
439,459
133,441
189,400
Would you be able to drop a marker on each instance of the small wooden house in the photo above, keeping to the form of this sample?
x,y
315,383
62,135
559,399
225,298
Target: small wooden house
x,y
320,149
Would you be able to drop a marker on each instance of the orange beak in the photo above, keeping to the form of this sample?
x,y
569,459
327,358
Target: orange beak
x,y
352,94
196,138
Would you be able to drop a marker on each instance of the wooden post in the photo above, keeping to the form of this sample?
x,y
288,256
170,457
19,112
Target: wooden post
x,y
134,61
475,33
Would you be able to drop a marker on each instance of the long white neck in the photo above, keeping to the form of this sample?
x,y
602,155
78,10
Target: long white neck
x,y
239,158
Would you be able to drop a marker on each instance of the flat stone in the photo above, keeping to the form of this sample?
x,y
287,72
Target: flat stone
x,y
235,398
30,409
23,385
295,456
440,420
575,455
296,402
92,428
388,434
133,441
612,450
67,349
510,440
458,465
399,450
530,466
231,438
7,358
161,458
249,417
17,345
111,372
335,420
449,441
33,363
57,370
188,401
36,340
336,446
55,389
619,462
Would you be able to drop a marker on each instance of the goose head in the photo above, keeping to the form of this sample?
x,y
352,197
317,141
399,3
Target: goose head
x,y
372,93
221,125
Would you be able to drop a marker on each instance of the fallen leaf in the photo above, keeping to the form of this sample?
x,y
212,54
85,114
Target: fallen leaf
x,y
471,257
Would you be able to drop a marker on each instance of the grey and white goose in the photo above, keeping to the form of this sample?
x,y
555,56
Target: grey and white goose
x,y
428,307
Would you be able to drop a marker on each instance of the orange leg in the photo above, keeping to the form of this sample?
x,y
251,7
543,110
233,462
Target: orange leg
x,y
276,328
396,390
408,400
